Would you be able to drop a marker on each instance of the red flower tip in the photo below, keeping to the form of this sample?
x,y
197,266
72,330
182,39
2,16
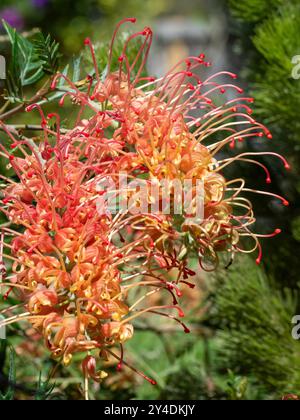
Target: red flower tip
x,y
187,330
6,200
11,158
240,90
87,41
132,20
222,90
50,116
286,203
202,56
181,313
121,58
153,382
278,231
29,108
258,261
13,145
268,180
147,31
269,136
287,166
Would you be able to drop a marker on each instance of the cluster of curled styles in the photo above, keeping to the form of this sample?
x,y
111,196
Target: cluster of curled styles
x,y
75,269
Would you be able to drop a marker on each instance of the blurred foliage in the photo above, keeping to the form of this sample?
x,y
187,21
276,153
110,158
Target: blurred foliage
x,y
89,17
253,10
277,93
270,34
254,322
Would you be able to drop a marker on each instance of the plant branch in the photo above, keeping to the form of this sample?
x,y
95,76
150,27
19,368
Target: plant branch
x,y
39,95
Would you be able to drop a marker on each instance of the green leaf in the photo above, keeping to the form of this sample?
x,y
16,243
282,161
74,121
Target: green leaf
x,y
47,51
25,67
11,377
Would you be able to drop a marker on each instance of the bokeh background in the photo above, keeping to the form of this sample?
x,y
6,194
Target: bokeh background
x,y
241,346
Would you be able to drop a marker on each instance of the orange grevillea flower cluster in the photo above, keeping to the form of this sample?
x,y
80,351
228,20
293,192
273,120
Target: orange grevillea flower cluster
x,y
75,269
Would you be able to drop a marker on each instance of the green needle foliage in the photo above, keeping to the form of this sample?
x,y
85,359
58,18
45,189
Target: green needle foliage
x,y
271,42
254,321
277,92
253,10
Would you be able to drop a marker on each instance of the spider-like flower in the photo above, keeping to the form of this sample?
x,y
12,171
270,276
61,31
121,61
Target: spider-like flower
x,y
73,267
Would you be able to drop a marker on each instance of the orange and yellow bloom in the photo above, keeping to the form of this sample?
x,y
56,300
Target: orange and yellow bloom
x,y
74,269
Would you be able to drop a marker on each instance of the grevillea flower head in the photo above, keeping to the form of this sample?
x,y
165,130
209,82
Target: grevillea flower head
x,y
75,269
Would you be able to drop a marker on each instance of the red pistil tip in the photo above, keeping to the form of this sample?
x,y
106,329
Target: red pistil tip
x,y
11,158
269,136
119,367
147,31
222,90
121,58
286,203
132,20
234,76
258,261
187,330
240,90
29,108
287,166
202,56
87,41
13,145
181,313
278,231
153,382
268,181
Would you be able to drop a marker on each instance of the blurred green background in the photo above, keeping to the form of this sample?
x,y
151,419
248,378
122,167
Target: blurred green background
x,y
241,346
